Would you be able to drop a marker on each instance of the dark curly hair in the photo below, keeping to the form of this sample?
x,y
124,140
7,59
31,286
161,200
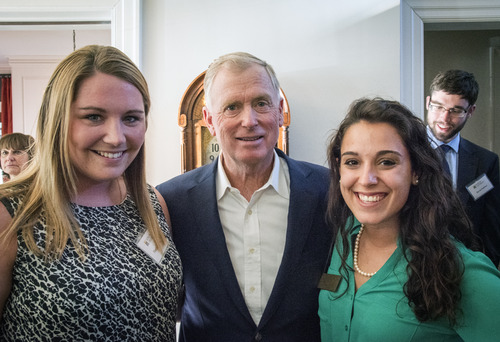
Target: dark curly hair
x,y
431,219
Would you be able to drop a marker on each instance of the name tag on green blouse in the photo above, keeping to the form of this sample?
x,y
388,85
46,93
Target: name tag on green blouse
x,y
329,282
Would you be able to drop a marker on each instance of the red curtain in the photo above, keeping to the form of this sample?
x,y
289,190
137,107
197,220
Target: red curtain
x,y
6,105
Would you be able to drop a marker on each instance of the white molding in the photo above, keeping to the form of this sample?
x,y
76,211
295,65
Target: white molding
x,y
34,59
412,56
414,13
471,14
27,15
126,28
124,17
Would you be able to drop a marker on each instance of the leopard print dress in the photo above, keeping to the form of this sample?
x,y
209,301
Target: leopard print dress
x,y
118,293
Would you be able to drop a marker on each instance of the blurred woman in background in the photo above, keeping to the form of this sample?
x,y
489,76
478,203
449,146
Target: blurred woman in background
x,y
16,150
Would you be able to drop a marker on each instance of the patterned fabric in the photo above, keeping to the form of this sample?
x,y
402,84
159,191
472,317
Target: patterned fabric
x,y
117,294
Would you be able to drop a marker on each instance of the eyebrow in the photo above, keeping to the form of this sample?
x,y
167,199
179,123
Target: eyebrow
x,y
230,103
262,97
257,98
379,153
440,104
102,110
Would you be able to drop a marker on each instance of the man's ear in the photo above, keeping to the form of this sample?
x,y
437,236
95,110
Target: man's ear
x,y
208,117
471,110
282,118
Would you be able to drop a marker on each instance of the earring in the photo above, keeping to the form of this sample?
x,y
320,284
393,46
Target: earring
x,y
416,182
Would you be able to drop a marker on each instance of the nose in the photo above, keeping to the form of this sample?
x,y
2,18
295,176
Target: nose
x,y
249,117
445,115
114,134
368,175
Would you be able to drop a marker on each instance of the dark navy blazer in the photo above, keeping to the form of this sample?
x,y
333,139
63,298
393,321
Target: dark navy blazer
x,y
214,307
473,161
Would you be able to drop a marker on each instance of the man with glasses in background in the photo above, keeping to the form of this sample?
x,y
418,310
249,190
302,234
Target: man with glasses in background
x,y
474,170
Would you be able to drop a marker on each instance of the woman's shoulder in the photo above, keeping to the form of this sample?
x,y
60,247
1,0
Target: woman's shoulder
x,y
480,274
480,298
151,189
474,259
11,204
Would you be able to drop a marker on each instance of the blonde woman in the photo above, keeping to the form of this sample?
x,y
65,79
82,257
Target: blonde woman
x,y
85,248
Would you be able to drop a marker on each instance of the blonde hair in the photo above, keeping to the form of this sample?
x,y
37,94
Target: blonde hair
x,y
48,184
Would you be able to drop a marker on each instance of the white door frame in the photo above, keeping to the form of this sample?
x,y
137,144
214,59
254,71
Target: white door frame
x,y
124,15
414,13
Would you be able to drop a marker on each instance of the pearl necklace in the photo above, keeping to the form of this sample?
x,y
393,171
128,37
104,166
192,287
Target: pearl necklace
x,y
355,256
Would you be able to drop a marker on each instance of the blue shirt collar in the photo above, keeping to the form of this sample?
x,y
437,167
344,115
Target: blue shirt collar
x,y
436,143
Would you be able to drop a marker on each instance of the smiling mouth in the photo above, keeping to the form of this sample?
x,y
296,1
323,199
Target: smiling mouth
x,y
250,138
444,127
370,199
110,155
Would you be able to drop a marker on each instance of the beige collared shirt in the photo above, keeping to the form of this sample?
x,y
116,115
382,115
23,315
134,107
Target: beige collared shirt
x,y
255,232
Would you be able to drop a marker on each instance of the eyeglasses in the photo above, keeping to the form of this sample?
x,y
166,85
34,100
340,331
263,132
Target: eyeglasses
x,y
455,112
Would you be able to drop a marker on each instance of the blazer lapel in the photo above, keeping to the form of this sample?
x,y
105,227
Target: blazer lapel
x,y
301,209
467,169
203,195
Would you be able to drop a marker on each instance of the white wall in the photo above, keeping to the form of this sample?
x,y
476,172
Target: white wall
x,y
326,54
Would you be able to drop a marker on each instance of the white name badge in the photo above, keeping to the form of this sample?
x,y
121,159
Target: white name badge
x,y
147,244
479,186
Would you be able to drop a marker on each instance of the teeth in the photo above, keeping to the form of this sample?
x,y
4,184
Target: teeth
x,y
111,155
369,198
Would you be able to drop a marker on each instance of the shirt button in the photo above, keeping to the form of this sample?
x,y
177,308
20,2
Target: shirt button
x,y
257,337
249,211
346,328
251,250
252,288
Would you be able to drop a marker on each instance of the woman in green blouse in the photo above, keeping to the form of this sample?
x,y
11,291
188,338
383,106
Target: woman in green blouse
x,y
404,256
